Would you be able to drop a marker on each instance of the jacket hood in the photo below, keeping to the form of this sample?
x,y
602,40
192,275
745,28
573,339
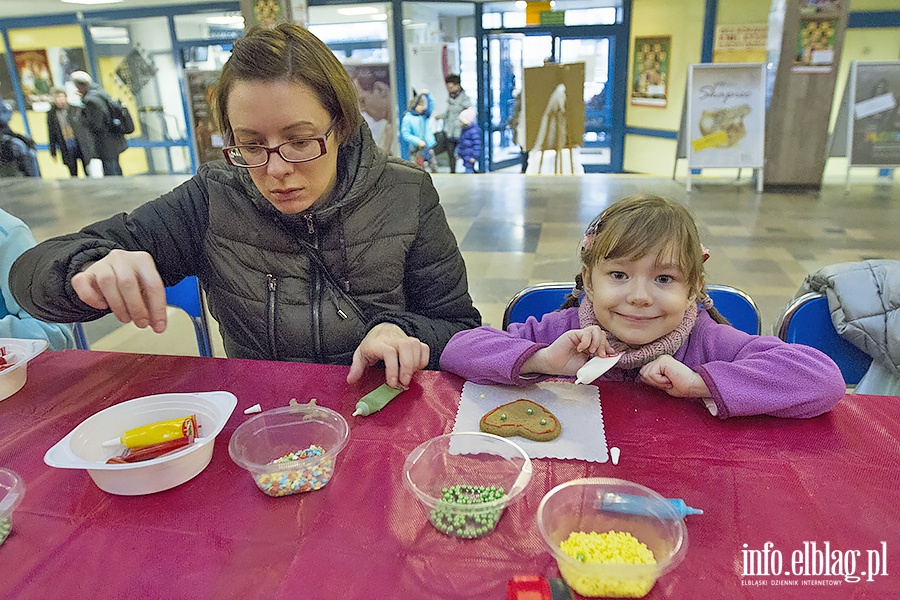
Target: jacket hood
x,y
429,105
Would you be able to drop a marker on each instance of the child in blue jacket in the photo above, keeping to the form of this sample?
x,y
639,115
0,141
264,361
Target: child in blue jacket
x,y
416,133
469,146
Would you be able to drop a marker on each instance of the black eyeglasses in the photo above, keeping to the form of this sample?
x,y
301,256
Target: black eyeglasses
x,y
295,151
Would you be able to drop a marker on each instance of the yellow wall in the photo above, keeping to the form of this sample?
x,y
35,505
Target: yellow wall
x,y
684,22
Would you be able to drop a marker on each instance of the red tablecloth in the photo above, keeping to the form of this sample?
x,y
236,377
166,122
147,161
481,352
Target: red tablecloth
x,y
831,480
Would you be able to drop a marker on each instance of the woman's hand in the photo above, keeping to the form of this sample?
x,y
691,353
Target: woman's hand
x,y
674,378
128,284
569,352
402,355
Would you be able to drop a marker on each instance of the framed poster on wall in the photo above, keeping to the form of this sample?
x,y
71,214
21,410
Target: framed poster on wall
x,y
650,71
725,118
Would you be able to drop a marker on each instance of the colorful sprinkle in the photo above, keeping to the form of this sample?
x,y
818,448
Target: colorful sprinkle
x,y
455,515
297,478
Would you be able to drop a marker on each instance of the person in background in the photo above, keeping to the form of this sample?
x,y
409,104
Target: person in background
x,y
415,131
18,154
107,143
469,147
644,298
373,85
15,238
457,101
62,120
310,242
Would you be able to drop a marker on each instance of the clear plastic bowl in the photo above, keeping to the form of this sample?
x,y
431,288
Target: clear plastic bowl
x,y
573,507
83,447
316,432
487,471
12,489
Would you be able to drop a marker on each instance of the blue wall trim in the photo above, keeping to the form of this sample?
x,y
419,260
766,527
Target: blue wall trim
x,y
709,31
657,133
115,15
874,19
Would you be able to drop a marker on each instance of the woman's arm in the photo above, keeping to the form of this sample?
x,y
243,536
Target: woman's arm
x,y
170,228
435,284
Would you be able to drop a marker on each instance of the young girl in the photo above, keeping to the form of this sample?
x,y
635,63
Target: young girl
x,y
642,273
416,132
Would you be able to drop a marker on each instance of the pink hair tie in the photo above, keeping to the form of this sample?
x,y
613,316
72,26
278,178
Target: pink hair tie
x,y
705,252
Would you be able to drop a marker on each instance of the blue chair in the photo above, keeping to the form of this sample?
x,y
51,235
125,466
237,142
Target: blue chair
x,y
185,295
734,304
807,320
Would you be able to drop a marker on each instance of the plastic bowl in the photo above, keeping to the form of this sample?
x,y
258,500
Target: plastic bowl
x,y
573,507
305,438
83,449
12,489
18,353
465,480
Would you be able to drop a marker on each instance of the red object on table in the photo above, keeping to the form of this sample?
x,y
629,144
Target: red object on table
x,y
796,484
528,587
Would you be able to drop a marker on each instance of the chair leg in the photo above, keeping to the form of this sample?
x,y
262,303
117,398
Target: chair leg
x,y
80,338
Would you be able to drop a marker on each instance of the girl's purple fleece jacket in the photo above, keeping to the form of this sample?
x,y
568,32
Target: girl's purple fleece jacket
x,y
746,374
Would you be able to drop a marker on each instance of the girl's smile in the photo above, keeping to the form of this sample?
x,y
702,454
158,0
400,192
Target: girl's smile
x,y
638,301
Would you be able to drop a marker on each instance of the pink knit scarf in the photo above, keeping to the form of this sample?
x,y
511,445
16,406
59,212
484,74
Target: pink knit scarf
x,y
634,359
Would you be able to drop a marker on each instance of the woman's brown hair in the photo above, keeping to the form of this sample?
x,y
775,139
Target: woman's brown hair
x,y
291,53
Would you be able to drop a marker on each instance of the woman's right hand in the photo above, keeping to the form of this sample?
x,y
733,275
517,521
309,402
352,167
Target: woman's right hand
x,y
128,284
569,352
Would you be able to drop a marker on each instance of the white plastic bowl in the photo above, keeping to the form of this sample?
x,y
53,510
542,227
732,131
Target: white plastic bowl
x,y
83,449
12,489
18,352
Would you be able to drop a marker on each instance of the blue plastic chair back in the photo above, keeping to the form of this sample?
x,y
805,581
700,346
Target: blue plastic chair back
x,y
538,300
535,301
185,295
736,306
807,321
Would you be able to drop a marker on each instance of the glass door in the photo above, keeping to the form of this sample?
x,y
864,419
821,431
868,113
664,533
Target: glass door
x,y
597,55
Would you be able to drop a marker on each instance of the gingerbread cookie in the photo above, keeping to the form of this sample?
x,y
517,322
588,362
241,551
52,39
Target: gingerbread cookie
x,y
524,418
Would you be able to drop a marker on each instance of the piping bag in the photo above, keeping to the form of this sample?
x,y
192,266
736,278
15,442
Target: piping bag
x,y
640,505
154,433
596,367
375,400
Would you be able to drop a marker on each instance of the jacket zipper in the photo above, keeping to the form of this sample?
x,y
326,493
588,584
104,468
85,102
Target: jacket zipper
x,y
315,300
271,303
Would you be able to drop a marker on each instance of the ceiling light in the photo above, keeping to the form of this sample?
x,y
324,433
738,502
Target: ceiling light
x,y
358,10
90,1
379,17
521,4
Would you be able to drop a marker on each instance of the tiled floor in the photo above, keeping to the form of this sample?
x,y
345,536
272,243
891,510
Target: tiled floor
x,y
519,230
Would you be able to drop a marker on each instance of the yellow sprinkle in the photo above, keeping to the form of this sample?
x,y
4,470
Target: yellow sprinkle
x,y
610,548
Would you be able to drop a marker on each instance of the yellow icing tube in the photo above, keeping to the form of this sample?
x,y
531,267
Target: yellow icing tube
x,y
155,433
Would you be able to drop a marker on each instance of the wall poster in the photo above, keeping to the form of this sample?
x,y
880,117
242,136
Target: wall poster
x,y
815,46
207,137
376,101
725,125
875,114
650,71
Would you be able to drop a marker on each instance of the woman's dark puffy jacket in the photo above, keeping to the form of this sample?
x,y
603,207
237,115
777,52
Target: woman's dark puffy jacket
x,y
304,287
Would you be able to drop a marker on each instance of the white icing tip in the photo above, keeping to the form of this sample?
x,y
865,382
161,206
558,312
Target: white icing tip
x,y
614,453
596,367
112,443
253,409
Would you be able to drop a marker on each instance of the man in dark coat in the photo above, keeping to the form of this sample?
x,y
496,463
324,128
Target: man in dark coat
x,y
108,143
63,129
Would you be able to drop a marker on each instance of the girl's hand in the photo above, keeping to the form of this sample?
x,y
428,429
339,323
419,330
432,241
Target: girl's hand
x,y
421,143
128,284
569,352
402,355
674,378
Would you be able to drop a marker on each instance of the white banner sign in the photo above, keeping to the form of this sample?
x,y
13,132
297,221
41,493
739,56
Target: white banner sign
x,y
726,115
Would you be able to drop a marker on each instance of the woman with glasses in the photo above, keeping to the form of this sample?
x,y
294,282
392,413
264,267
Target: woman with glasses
x,y
310,242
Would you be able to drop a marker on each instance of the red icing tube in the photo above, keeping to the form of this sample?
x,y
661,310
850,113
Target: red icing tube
x,y
132,455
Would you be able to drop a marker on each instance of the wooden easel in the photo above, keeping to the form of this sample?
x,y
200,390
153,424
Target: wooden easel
x,y
562,143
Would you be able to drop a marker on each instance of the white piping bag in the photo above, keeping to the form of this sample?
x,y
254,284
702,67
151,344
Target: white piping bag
x,y
596,367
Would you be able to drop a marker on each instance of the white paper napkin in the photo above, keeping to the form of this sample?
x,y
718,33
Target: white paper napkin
x,y
576,406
